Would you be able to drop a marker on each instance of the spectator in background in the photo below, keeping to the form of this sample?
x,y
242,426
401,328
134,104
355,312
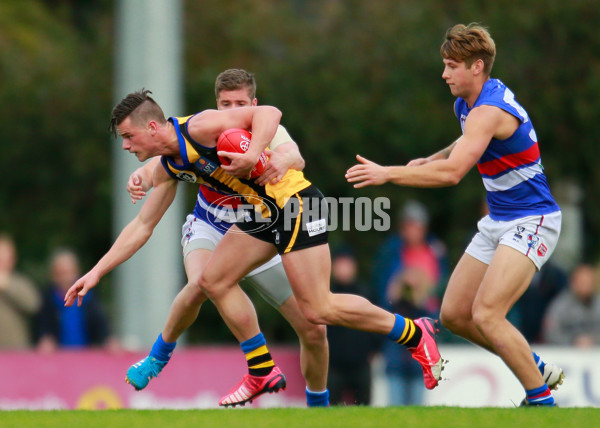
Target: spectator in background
x,y
408,269
69,327
529,310
573,318
350,351
410,291
19,299
411,246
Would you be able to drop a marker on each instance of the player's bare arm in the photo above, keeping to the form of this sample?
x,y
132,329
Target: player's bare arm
x,y
140,180
285,156
442,154
206,127
482,124
131,238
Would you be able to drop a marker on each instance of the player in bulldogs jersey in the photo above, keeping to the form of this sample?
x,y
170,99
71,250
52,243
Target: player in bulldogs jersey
x,y
523,225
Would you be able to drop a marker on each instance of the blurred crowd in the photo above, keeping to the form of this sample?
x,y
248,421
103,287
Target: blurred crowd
x,y
33,316
409,273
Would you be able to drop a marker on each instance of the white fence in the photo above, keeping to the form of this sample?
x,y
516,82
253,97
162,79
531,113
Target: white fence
x,y
476,378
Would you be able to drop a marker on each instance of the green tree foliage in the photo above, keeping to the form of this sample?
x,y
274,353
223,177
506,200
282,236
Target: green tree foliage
x,y
55,92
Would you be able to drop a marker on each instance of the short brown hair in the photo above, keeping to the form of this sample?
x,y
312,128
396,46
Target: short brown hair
x,y
469,43
233,79
140,106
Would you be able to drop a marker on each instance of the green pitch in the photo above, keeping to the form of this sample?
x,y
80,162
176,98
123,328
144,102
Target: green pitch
x,y
334,417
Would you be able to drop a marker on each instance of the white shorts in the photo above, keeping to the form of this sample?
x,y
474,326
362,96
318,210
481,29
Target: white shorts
x,y
534,236
269,279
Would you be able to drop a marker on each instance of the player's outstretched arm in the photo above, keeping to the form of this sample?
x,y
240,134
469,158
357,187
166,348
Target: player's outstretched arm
x,y
81,287
442,154
435,173
131,238
367,173
445,168
140,180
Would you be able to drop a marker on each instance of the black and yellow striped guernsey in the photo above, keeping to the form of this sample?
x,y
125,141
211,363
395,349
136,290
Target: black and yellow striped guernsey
x,y
201,164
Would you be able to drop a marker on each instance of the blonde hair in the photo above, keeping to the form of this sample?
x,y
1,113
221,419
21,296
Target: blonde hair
x,y
468,43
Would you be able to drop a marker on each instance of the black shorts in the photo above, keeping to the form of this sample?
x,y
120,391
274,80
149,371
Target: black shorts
x,y
301,223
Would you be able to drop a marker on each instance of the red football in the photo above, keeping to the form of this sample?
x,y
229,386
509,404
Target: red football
x,y
238,140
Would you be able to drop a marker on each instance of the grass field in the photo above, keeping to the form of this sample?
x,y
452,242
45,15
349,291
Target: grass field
x,y
334,417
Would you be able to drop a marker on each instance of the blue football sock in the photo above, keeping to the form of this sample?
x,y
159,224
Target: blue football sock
x,y
253,343
317,399
540,396
541,364
260,362
398,329
162,350
405,332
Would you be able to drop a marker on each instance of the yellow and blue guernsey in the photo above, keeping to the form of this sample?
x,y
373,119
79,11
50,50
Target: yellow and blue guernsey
x,y
221,192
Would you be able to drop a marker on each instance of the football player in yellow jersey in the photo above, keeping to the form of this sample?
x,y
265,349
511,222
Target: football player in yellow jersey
x,y
234,88
298,233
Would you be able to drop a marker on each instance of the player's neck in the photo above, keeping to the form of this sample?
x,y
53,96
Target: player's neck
x,y
170,145
473,95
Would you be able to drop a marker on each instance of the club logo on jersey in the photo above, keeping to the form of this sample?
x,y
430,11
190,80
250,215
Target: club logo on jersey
x,y
541,251
187,176
463,119
519,235
532,240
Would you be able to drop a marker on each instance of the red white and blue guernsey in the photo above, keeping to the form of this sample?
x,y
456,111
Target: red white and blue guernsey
x,y
511,169
215,208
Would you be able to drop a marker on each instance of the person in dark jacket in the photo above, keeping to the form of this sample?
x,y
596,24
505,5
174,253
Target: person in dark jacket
x,y
69,327
350,351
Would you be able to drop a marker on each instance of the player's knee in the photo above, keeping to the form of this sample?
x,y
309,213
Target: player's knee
x,y
483,317
454,319
206,286
316,315
314,335
195,296
449,318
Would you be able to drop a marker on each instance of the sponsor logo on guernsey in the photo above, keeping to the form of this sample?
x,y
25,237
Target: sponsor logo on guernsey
x,y
541,251
277,236
532,240
206,166
316,227
187,176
